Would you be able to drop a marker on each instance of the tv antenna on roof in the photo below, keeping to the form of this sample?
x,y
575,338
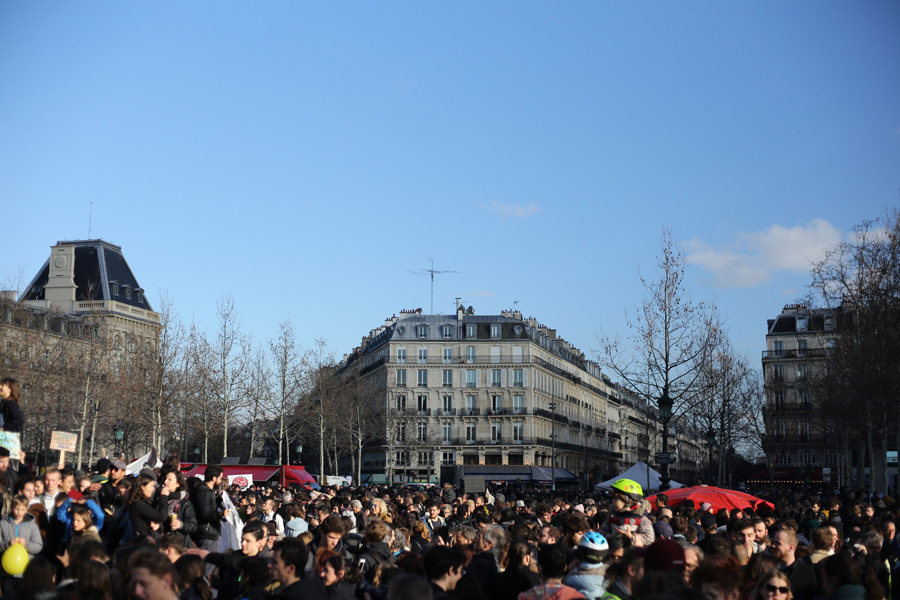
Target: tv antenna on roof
x,y
432,271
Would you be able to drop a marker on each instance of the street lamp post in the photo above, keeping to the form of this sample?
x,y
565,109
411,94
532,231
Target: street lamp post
x,y
710,441
665,413
118,435
553,446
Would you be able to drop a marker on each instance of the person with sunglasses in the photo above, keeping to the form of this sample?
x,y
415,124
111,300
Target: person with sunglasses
x,y
774,585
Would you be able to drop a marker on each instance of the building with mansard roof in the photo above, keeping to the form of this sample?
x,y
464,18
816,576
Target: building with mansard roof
x,y
80,334
799,342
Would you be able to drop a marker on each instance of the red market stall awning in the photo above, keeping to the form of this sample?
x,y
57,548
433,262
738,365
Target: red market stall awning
x,y
286,475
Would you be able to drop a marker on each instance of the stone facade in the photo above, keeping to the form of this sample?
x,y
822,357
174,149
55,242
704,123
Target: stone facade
x,y
470,389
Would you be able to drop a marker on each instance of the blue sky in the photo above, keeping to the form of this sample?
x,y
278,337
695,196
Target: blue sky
x,y
305,157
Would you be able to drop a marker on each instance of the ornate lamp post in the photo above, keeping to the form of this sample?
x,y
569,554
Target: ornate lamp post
x,y
665,413
299,450
118,435
710,441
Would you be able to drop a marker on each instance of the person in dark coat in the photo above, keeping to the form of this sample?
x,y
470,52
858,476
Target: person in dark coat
x,y
11,416
518,576
484,566
377,550
799,571
146,518
231,565
288,565
443,569
181,518
340,577
209,521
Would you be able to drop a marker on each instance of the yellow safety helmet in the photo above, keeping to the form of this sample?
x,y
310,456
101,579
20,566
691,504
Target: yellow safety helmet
x,y
630,488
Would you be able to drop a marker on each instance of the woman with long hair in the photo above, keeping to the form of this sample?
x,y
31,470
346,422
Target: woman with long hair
x,y
191,581
340,576
845,579
518,575
146,518
181,517
93,582
38,580
11,416
773,585
719,579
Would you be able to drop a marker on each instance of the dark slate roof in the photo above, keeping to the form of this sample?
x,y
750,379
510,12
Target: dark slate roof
x,y
99,268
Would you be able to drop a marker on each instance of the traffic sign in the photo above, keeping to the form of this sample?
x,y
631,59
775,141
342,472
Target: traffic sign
x,y
665,458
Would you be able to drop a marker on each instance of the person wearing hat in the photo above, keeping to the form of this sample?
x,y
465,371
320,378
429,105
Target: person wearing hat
x,y
589,577
664,555
626,508
106,493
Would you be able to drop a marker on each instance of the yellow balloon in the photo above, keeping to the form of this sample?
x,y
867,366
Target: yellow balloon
x,y
15,559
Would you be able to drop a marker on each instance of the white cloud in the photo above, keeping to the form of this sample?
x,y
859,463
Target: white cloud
x,y
516,211
755,256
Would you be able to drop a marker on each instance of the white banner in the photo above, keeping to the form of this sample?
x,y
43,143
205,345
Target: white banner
x,y
232,527
242,481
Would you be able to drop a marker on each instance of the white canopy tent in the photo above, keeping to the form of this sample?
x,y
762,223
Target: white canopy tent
x,y
641,472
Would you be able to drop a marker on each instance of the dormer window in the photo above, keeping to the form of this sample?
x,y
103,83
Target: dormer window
x,y
495,331
422,331
140,296
128,293
446,331
470,331
114,286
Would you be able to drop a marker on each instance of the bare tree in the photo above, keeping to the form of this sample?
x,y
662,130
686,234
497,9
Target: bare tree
x,y
671,337
319,402
258,393
164,370
725,402
90,369
230,353
200,402
859,281
287,366
364,407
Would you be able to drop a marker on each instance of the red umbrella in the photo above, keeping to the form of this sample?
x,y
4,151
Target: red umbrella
x,y
717,497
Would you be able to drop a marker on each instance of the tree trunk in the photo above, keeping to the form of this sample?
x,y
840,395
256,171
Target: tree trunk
x,y
93,435
359,448
321,450
282,442
225,431
84,416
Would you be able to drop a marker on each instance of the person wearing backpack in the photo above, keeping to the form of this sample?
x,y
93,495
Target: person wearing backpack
x,y
377,549
206,510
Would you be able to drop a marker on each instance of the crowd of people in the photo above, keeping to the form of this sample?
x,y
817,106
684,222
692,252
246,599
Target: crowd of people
x,y
155,535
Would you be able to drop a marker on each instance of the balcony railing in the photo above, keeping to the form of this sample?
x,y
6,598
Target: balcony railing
x,y
797,353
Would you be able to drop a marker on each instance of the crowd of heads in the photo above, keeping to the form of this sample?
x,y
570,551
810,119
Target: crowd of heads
x,y
156,534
